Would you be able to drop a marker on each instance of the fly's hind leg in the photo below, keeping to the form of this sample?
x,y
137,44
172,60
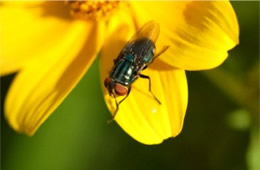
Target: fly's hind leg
x,y
117,105
157,55
150,87
161,51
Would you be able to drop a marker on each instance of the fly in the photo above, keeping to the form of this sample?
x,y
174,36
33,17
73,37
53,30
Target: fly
x,y
136,56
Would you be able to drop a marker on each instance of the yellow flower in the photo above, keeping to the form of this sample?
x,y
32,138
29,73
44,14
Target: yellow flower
x,y
51,50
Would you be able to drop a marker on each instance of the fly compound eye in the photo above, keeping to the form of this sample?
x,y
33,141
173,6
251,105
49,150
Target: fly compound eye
x,y
106,82
120,90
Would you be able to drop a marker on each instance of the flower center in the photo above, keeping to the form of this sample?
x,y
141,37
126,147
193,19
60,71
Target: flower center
x,y
91,9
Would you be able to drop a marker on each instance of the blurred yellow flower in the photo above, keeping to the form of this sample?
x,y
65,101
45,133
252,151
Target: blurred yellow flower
x,y
52,44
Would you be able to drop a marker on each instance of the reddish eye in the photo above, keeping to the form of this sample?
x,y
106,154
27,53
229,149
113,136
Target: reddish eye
x,y
120,89
106,82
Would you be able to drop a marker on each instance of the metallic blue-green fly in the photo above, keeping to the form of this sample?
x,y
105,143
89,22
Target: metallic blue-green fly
x,y
136,56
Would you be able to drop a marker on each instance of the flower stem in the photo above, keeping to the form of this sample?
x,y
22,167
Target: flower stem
x,y
243,92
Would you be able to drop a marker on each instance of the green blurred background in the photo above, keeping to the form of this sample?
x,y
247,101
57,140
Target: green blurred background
x,y
221,130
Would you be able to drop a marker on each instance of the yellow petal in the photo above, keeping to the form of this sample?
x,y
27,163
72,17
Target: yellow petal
x,y
39,88
140,115
199,33
23,3
28,31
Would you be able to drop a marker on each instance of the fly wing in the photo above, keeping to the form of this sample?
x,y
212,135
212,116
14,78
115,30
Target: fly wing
x,y
150,30
142,44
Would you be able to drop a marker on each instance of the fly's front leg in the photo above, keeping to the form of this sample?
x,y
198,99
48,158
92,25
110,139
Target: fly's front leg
x,y
161,51
150,87
117,105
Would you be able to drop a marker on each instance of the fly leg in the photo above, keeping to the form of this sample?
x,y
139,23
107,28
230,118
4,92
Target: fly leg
x,y
157,55
161,51
150,87
117,105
